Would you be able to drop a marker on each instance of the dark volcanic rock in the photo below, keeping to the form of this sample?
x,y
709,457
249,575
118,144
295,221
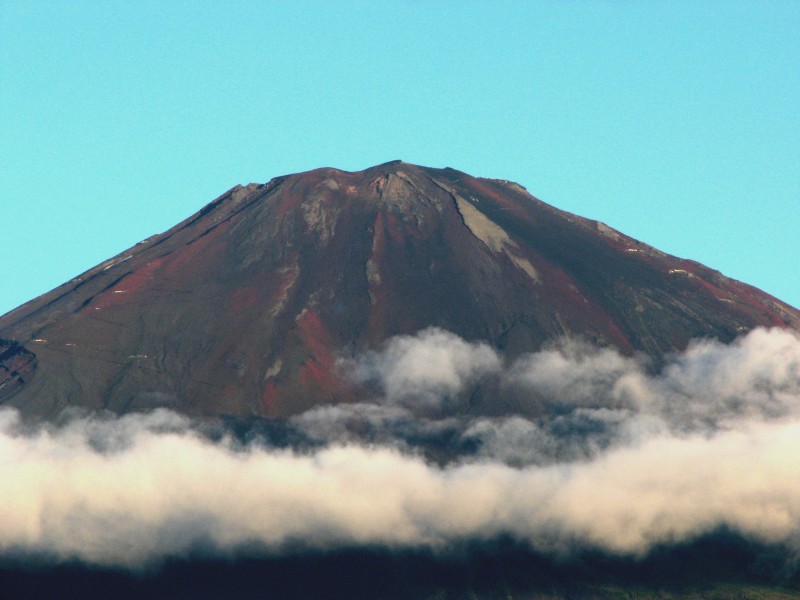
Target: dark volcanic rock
x,y
16,366
245,307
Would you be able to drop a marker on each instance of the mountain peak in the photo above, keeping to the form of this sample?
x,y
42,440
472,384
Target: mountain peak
x,y
397,161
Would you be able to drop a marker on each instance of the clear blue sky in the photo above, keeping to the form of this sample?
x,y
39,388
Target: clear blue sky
x,y
676,122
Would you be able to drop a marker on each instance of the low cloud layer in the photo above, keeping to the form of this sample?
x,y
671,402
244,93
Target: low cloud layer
x,y
426,371
597,454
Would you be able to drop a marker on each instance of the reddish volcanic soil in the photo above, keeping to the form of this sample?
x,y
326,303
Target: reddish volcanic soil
x,y
245,307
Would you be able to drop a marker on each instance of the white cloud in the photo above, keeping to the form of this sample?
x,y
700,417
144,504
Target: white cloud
x,y
573,374
634,460
426,370
168,491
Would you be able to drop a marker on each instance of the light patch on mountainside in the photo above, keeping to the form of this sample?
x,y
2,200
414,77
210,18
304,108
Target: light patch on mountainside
x,y
494,236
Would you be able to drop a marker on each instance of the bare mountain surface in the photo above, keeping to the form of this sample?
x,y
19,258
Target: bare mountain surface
x,y
245,307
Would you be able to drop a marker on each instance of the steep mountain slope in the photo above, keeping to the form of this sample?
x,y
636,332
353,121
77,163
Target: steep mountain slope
x,y
245,307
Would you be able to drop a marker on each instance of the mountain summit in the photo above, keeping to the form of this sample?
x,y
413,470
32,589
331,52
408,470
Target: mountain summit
x,y
245,307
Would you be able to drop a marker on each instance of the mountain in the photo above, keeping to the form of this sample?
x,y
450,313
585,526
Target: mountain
x,y
406,383
245,307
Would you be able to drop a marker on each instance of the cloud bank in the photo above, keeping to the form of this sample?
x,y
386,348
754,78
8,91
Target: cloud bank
x,y
426,371
599,454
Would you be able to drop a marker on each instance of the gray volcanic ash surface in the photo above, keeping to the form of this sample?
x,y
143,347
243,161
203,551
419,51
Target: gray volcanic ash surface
x,y
246,307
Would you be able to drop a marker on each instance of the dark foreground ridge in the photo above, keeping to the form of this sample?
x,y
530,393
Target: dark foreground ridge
x,y
717,567
245,307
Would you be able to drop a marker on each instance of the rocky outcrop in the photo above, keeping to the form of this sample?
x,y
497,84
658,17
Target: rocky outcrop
x,y
17,365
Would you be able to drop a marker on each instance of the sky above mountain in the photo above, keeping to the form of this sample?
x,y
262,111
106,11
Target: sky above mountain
x,y
674,123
